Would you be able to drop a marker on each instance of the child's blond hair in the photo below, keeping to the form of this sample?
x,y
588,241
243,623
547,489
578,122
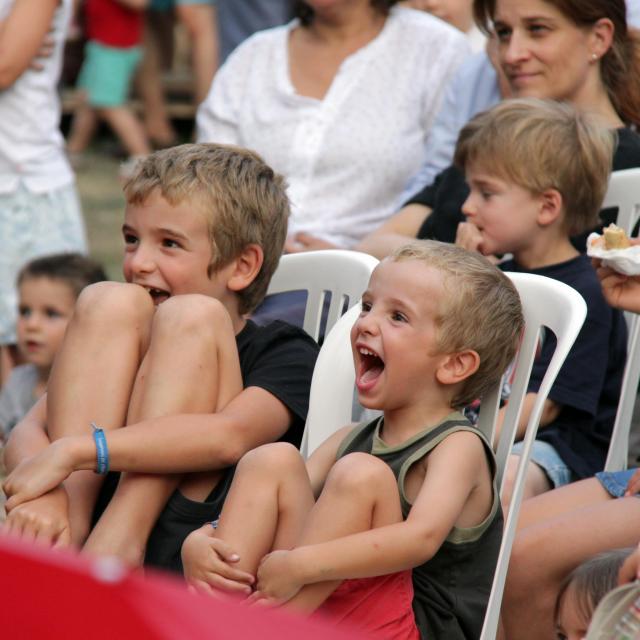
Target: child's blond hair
x,y
481,311
541,145
243,199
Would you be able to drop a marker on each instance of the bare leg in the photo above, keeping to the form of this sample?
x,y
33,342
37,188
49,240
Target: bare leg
x,y
191,366
127,127
536,481
360,493
270,506
83,127
149,83
93,376
546,551
199,20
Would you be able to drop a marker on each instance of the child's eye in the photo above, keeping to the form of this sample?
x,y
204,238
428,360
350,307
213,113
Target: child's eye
x,y
24,312
129,238
170,243
398,317
486,195
366,306
52,313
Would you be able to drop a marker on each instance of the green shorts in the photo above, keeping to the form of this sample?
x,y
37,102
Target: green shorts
x,y
106,73
166,5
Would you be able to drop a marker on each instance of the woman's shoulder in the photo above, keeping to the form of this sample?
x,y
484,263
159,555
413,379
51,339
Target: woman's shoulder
x,y
627,154
261,41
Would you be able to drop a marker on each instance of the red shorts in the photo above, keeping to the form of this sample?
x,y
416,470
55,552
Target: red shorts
x,y
380,606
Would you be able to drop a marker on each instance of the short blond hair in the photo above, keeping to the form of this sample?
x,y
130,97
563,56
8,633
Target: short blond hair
x,y
540,145
243,199
481,311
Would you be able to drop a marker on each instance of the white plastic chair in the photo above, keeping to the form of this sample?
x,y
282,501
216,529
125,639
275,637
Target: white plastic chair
x,y
343,275
545,302
624,193
551,304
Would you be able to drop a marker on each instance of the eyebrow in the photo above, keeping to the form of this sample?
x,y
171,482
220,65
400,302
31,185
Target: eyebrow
x,y
164,231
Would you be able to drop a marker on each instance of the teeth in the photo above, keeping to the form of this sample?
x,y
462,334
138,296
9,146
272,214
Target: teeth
x,y
366,352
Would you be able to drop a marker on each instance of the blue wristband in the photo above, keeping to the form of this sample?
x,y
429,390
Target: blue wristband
x,y
102,453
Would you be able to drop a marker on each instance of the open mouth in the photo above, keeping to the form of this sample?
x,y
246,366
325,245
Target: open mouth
x,y
370,367
158,295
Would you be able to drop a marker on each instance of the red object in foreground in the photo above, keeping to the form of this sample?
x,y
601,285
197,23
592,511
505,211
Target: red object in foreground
x,y
61,595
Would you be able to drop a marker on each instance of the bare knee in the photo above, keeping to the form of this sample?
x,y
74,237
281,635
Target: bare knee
x,y
360,472
193,315
114,304
275,458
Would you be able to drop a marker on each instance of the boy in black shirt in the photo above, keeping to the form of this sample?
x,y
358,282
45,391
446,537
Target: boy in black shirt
x,y
170,355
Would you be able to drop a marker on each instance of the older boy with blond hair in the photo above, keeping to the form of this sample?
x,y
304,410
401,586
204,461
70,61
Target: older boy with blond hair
x,y
401,505
170,356
538,172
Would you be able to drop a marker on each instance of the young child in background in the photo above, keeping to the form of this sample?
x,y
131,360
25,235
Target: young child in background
x,y
582,591
112,54
404,504
180,383
538,172
47,290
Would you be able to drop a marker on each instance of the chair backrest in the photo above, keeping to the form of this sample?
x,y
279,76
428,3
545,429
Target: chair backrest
x,y
546,303
339,275
624,192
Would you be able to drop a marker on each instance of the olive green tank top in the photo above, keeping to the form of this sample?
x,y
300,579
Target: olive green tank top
x,y
452,588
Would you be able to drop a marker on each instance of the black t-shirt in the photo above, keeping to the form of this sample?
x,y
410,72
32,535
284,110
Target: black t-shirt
x,y
446,195
277,357
588,384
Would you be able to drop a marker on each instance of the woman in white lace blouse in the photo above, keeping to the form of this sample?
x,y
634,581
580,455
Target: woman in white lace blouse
x,y
340,101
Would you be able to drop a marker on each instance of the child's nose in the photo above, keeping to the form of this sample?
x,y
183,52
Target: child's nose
x,y
467,208
368,323
143,260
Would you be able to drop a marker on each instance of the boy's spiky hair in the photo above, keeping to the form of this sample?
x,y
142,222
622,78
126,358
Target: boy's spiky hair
x,y
541,145
481,311
243,199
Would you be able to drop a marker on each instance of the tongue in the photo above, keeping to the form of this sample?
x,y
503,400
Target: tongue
x,y
372,373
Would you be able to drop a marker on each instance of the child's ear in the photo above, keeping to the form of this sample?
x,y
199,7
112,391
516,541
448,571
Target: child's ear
x,y
551,207
246,267
456,367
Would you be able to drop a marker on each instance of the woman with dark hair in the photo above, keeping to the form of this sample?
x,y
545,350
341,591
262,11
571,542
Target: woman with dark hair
x,y
579,51
340,101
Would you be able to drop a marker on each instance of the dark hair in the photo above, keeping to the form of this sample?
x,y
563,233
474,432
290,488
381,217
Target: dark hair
x,y
592,580
620,66
73,269
304,12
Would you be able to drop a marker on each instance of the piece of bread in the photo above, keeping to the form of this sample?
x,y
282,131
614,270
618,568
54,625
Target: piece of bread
x,y
615,238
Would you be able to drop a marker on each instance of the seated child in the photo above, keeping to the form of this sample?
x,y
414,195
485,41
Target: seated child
x,y
582,591
399,510
538,172
169,355
47,291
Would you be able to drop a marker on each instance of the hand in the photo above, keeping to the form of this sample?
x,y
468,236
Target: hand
x,y
302,241
275,582
468,237
45,519
37,475
207,562
620,291
45,51
633,486
630,569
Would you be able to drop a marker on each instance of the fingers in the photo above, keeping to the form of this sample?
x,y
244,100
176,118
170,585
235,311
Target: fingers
x,y
217,581
634,484
630,569
224,550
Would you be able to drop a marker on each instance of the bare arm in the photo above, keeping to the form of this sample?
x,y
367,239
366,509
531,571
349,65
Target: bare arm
x,y
21,35
171,444
550,412
323,458
452,475
398,230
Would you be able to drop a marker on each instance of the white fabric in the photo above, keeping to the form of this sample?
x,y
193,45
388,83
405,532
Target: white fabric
x,y
347,157
31,145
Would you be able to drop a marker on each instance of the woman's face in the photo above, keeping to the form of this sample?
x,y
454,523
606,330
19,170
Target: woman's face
x,y
543,53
